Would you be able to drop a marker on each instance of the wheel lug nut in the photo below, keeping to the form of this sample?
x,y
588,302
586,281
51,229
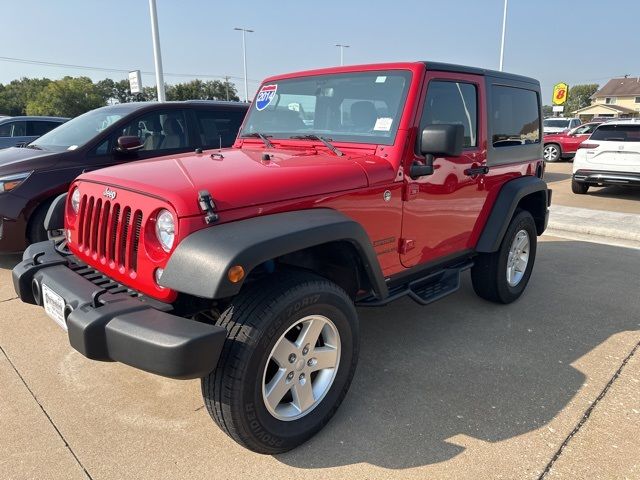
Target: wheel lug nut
x,y
302,378
290,376
311,362
292,358
305,350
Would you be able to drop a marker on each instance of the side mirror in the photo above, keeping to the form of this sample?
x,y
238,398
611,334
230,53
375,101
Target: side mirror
x,y
129,143
446,140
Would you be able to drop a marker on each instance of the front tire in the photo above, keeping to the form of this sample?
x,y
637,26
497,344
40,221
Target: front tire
x,y
289,358
502,276
552,152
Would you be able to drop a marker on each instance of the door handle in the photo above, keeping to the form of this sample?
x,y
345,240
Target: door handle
x,y
472,172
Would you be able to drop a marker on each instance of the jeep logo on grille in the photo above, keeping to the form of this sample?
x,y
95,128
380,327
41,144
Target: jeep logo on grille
x,y
110,194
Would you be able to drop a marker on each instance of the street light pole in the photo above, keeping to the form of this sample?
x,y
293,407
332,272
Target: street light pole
x,y
342,47
244,60
504,29
156,50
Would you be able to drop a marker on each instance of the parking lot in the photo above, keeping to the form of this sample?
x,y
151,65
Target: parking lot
x,y
460,389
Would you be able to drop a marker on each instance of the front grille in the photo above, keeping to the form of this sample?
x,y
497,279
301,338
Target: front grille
x,y
110,232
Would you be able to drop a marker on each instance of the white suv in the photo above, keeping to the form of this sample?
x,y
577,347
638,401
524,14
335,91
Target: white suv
x,y
559,124
611,156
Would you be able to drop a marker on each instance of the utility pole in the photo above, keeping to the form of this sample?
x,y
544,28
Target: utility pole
x,y
226,86
504,29
342,47
156,50
244,60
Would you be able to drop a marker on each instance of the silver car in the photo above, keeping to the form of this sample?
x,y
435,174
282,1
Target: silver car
x,y
22,130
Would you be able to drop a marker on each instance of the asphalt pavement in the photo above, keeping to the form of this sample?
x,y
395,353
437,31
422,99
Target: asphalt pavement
x,y
547,386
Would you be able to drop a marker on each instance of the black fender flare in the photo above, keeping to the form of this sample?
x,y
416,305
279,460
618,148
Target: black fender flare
x,y
509,197
200,263
54,220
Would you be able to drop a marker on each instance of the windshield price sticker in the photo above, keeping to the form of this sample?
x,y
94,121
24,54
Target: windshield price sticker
x,y
383,124
265,96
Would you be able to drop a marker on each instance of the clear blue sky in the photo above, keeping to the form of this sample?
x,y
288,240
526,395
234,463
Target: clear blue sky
x,y
553,40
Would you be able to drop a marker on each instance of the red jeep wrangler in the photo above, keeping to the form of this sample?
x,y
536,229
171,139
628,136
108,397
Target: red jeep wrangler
x,y
346,187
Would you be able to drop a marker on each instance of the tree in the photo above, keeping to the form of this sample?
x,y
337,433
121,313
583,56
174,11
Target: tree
x,y
547,111
199,90
68,97
15,95
579,97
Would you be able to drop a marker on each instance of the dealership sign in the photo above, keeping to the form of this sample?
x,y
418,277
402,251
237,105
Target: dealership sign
x,y
560,93
135,84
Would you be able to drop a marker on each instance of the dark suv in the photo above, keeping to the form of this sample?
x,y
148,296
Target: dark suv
x,y
32,176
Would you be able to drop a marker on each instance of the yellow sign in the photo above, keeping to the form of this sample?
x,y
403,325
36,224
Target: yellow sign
x,y
560,93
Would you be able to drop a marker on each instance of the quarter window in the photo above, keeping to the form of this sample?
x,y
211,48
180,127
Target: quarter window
x,y
454,103
515,116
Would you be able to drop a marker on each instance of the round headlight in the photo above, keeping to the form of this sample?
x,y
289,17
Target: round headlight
x,y
75,199
165,229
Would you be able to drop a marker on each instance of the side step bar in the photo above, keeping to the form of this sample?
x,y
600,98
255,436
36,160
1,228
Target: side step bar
x,y
423,290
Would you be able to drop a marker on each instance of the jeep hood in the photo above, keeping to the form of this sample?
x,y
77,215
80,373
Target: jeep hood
x,y
241,177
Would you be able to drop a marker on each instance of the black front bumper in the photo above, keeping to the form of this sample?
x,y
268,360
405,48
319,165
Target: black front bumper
x,y
111,325
602,177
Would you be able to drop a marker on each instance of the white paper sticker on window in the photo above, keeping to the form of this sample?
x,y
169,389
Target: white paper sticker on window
x,y
383,124
381,79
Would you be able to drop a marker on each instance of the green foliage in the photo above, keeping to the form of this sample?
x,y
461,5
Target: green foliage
x,y
579,97
72,96
68,97
547,111
15,95
199,90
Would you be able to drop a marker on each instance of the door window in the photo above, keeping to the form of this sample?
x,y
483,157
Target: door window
x,y
218,128
37,128
13,129
454,103
158,131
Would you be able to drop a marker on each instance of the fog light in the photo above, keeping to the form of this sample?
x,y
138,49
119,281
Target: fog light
x,y
235,274
158,275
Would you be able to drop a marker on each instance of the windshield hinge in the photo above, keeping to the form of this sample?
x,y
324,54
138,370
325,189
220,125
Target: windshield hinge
x,y
208,206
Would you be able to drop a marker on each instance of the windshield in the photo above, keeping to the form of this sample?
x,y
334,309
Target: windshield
x,y
363,107
77,132
556,122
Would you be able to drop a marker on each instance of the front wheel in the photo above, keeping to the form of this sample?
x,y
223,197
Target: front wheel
x,y
287,363
502,276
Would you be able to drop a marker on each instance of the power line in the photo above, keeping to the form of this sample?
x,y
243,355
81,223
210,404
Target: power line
x,y
118,70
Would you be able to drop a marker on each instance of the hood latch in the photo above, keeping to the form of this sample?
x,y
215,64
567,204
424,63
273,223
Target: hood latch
x,y
208,206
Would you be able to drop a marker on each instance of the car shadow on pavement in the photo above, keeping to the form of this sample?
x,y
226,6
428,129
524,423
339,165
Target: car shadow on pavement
x,y
625,193
551,177
9,261
464,366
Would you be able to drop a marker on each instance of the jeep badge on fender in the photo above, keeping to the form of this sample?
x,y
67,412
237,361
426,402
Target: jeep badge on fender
x,y
246,271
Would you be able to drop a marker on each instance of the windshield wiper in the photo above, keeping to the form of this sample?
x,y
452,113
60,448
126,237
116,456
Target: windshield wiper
x,y
261,136
33,146
326,142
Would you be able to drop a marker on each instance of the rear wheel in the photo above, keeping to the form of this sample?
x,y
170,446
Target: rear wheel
x,y
551,152
502,276
579,187
287,363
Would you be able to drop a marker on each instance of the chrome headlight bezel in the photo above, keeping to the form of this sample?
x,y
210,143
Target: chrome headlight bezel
x,y
165,229
14,181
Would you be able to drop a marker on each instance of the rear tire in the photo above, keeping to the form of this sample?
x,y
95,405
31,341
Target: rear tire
x,y
516,256
579,187
552,152
265,323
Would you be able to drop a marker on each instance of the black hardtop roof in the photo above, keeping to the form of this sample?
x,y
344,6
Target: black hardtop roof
x,y
449,67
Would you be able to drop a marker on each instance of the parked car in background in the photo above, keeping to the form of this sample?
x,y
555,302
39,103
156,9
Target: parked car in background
x,y
557,125
564,145
32,176
19,130
611,156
